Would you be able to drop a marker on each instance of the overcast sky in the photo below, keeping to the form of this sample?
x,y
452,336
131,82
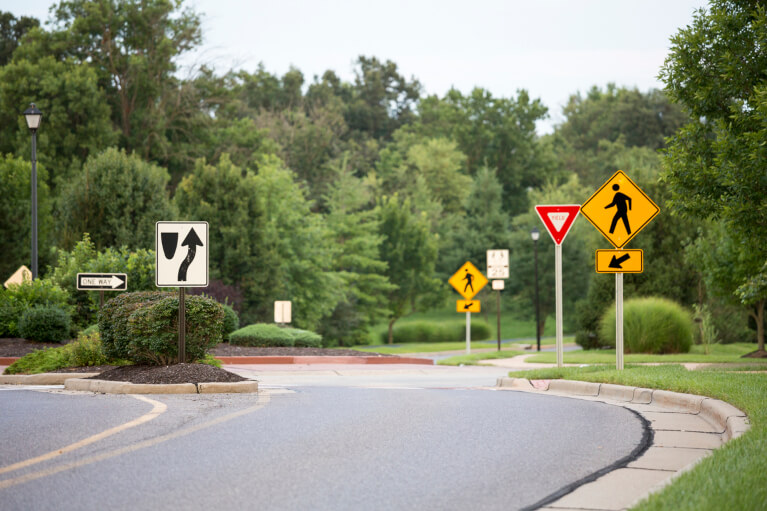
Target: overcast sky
x,y
552,48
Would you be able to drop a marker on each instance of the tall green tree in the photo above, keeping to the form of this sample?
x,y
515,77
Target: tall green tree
x,y
117,198
16,215
355,228
410,252
717,70
134,46
12,29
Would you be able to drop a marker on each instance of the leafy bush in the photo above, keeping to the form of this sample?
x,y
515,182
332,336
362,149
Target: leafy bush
x,y
92,329
231,321
650,325
114,317
267,335
432,331
143,327
85,351
45,324
20,297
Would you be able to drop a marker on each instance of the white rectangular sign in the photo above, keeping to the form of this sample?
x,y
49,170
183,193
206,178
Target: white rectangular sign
x,y
282,312
498,285
497,264
102,281
181,254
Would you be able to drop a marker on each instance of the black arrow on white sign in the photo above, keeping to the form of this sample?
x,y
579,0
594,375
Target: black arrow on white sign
x,y
191,241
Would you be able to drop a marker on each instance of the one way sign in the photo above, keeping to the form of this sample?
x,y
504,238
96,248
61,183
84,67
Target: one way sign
x,y
181,254
102,281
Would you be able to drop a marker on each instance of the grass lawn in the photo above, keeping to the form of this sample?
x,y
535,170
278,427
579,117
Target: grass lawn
x,y
511,328
734,476
718,353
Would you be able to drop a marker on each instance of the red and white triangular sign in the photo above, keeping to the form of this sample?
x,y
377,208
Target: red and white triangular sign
x,y
558,219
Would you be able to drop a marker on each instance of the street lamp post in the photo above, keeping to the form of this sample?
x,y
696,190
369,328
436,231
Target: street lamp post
x,y
535,234
33,117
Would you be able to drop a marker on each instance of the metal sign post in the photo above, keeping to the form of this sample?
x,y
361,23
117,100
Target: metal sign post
x,y
181,326
619,321
558,220
468,333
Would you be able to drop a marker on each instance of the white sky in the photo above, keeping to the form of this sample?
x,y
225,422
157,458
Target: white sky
x,y
552,48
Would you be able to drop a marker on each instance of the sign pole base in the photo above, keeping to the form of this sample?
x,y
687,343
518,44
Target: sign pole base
x,y
619,321
181,326
468,333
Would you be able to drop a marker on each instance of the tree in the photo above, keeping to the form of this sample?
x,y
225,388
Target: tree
x,y
118,198
227,198
494,132
15,214
410,252
716,162
12,29
355,229
75,111
133,45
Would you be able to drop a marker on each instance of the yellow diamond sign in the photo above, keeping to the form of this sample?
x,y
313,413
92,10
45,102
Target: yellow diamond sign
x,y
468,280
619,209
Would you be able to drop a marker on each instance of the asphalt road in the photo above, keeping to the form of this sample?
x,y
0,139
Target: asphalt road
x,y
309,448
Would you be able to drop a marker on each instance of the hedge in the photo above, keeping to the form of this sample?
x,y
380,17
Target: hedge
x,y
432,331
264,335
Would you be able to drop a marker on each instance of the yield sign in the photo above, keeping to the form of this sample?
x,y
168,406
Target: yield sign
x,y
468,280
558,219
619,209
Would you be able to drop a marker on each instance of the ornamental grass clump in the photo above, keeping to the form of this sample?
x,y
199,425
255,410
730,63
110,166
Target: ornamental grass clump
x,y
143,327
650,325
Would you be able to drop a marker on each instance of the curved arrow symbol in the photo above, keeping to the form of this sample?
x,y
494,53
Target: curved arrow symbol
x,y
191,241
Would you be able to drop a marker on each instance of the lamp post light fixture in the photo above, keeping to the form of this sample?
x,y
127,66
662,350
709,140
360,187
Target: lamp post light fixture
x,y
535,234
33,116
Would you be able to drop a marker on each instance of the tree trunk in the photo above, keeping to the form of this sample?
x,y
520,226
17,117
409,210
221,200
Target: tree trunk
x,y
760,325
391,330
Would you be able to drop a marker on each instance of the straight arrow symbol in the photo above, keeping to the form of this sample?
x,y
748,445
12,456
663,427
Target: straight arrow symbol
x,y
616,262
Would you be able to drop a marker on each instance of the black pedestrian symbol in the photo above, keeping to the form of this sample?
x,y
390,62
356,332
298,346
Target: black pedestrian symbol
x,y
191,241
469,278
622,203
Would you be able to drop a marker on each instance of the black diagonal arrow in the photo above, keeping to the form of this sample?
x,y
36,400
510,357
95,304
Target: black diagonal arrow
x,y
467,306
191,241
617,261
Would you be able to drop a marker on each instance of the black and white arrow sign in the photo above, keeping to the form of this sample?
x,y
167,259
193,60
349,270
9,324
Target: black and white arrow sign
x,y
102,281
181,254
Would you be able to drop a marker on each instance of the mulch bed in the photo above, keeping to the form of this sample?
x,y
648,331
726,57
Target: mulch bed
x,y
176,373
756,354
11,347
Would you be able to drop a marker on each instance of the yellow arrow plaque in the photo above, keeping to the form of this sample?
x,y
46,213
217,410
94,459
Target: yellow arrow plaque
x,y
619,209
468,280
619,261
467,305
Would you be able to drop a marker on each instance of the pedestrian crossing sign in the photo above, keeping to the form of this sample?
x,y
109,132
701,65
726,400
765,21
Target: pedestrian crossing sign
x,y
468,280
619,209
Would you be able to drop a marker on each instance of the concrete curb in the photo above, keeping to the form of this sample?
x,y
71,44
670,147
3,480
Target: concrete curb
x,y
119,387
685,428
42,378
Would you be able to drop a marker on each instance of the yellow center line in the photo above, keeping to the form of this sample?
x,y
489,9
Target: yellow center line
x,y
156,411
263,400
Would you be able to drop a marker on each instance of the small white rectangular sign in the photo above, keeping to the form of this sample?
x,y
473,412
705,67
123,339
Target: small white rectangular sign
x,y
498,285
497,264
282,312
102,281
181,254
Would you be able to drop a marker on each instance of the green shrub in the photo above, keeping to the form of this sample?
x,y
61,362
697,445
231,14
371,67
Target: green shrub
x,y
20,297
432,331
153,330
264,335
650,325
45,324
231,321
85,351
114,317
